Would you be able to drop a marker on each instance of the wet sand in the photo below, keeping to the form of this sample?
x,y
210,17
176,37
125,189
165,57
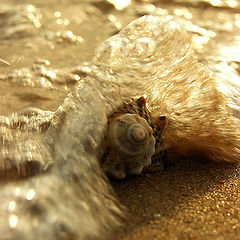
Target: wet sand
x,y
191,199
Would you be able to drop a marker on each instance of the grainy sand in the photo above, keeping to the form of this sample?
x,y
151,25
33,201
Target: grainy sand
x,y
189,200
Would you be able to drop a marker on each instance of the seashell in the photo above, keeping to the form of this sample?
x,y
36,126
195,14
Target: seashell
x,y
133,140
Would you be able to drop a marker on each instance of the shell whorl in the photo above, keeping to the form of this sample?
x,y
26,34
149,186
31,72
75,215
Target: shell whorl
x,y
132,139
137,134
130,135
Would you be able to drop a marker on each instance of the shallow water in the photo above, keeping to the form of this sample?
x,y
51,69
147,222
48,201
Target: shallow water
x,y
47,48
39,39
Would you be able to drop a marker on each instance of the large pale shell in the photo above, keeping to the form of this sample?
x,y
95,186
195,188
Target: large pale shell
x,y
130,146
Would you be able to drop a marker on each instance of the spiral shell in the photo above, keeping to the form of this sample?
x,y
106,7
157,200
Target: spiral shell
x,y
132,139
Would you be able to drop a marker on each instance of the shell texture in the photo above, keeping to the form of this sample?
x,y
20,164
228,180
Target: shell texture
x,y
133,140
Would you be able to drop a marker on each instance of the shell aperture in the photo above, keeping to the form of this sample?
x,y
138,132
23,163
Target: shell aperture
x,y
132,140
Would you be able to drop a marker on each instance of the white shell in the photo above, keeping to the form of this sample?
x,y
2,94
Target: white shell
x,y
130,146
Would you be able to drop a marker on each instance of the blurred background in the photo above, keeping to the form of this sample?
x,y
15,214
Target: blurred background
x,y
40,41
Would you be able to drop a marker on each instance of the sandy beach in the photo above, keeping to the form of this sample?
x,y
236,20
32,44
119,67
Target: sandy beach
x,y
191,199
